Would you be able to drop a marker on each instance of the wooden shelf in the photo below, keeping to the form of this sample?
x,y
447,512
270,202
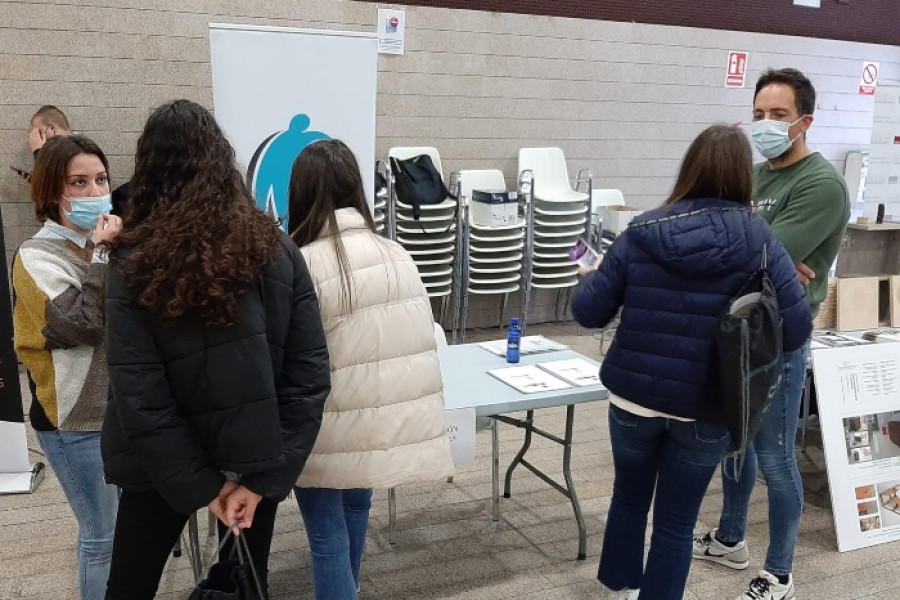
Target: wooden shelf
x,y
879,276
874,226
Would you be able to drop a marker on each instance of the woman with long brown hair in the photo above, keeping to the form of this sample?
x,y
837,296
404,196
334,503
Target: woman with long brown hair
x,y
384,421
673,271
217,355
58,277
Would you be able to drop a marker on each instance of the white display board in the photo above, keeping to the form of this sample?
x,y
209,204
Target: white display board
x,y
859,410
278,89
883,177
17,474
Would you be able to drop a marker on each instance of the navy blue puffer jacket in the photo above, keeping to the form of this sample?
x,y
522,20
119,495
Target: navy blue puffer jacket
x,y
673,272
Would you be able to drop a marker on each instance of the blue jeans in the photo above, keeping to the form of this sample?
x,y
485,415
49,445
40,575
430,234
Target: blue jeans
x,y
677,459
772,451
336,523
75,458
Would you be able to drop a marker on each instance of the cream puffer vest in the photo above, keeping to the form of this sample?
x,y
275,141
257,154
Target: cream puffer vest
x,y
384,421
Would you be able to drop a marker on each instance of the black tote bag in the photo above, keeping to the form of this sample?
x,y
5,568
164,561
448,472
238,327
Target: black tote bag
x,y
232,579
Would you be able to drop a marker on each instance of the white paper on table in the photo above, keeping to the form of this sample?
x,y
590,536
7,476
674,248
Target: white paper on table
x,y
836,340
461,433
576,371
529,379
530,344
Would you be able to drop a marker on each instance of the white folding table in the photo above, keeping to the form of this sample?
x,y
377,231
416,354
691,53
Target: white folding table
x,y
467,384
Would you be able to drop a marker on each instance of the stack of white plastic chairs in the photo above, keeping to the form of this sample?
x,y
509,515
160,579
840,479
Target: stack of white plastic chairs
x,y
379,214
560,217
431,240
492,257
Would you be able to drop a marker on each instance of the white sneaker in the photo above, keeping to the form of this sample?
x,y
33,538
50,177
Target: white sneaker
x,y
707,547
766,587
623,594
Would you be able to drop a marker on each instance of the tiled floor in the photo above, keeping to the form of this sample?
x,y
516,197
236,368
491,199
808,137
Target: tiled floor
x,y
448,547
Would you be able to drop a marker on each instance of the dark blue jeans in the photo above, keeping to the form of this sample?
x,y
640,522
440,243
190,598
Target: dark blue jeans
x,y
772,452
677,459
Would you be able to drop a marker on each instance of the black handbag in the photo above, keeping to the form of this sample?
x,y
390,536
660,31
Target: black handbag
x,y
749,359
232,579
417,182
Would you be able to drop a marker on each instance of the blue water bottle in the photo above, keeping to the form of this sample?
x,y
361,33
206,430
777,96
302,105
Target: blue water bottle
x,y
513,338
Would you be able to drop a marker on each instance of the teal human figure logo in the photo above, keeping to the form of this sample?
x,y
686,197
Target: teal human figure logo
x,y
269,172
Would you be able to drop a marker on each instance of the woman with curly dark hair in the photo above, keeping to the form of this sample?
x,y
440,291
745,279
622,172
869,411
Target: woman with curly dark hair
x,y
217,355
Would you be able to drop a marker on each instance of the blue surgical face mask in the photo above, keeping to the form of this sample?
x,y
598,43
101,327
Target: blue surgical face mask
x,y
86,211
771,137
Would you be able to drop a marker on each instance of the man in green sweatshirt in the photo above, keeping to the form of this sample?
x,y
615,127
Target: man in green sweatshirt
x,y
804,200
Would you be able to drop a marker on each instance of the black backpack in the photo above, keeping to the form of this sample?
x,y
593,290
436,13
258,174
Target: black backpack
x,y
749,358
417,182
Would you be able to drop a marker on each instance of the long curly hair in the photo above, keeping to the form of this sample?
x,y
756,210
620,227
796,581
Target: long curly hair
x,y
192,236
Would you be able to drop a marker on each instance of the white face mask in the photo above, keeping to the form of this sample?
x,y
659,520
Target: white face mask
x,y
771,137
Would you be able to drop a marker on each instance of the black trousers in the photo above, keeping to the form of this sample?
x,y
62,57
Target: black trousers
x,y
146,531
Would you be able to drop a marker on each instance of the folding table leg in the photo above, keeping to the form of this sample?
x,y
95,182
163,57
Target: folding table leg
x,y
529,420
570,485
567,490
392,513
495,470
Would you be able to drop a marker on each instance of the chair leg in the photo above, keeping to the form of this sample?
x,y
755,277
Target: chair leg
x,y
565,306
556,306
445,304
464,317
807,382
176,551
194,546
503,303
392,513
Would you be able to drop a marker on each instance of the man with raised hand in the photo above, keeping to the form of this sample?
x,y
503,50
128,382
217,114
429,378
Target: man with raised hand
x,y
46,123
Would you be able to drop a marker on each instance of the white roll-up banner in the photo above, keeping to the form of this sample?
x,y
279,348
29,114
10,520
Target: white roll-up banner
x,y
15,468
278,89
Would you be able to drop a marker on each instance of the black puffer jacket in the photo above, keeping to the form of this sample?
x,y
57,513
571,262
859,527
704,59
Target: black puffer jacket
x,y
191,402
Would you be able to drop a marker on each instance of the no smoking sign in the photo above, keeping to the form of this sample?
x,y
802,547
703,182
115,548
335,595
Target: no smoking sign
x,y
868,80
